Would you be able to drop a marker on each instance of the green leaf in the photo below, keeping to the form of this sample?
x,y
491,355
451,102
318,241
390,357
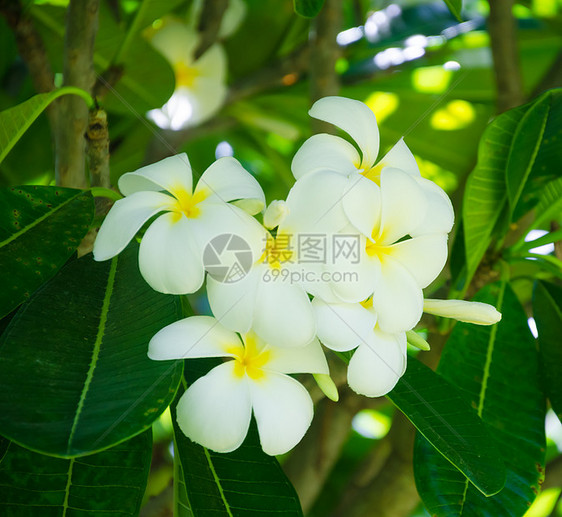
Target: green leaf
x,y
308,8
485,195
550,203
497,370
111,482
547,311
74,374
535,151
238,484
15,121
455,6
40,228
439,412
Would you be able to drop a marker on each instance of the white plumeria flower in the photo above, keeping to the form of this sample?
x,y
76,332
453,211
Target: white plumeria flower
x,y
380,357
215,411
470,312
328,152
171,250
402,218
200,84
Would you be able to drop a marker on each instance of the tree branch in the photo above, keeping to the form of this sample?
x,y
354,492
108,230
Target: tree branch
x,y
325,52
209,25
503,40
81,28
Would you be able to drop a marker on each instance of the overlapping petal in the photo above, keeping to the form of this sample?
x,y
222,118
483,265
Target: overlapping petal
x,y
125,219
283,315
362,204
400,157
356,119
216,409
343,327
283,410
397,298
375,368
169,258
194,337
226,180
175,42
424,257
305,359
326,152
439,216
171,173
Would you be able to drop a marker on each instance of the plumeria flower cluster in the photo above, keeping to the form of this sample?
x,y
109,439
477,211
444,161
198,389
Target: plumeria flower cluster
x,y
342,262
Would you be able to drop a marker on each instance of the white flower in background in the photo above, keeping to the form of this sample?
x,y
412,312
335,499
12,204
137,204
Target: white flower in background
x,y
200,84
215,411
171,250
470,312
379,359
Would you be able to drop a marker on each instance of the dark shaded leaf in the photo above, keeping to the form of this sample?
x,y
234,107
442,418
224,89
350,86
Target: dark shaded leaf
x,y
40,228
111,482
497,370
455,7
439,412
242,483
308,8
547,311
74,374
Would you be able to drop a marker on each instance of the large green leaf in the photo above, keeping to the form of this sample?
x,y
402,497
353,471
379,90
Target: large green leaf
x,y
439,412
40,227
485,195
308,8
550,203
547,310
238,484
74,373
15,121
497,370
535,153
111,482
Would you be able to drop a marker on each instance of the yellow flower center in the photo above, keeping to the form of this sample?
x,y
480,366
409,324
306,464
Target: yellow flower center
x,y
185,74
374,173
186,203
277,250
368,303
248,359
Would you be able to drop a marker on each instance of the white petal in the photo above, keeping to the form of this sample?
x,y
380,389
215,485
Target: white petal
x,y
440,216
175,41
461,310
217,218
283,315
125,219
212,64
216,409
305,359
169,258
275,213
397,300
233,303
343,327
283,410
362,204
325,152
404,205
169,174
314,204
424,257
356,119
206,96
400,157
197,336
375,369
226,180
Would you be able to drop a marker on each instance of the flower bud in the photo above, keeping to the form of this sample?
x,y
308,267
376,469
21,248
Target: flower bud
x,y
275,213
461,310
